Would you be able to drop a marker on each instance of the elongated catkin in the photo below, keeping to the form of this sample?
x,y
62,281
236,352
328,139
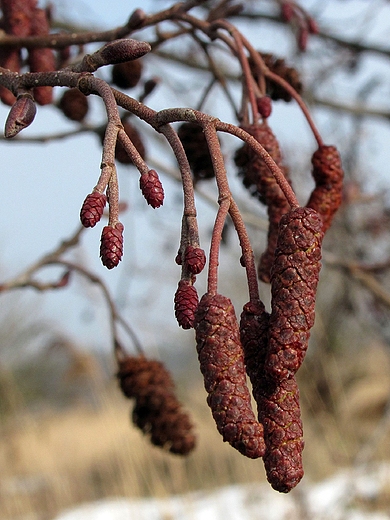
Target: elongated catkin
x,y
222,365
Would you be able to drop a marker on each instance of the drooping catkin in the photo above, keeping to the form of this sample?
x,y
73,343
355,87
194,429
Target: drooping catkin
x,y
290,74
157,411
277,403
257,177
16,20
222,365
41,59
294,279
328,175
279,412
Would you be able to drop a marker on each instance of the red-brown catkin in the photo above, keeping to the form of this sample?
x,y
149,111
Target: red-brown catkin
x,y
222,365
92,209
294,280
16,21
280,414
186,302
258,178
111,245
277,403
328,175
41,60
152,188
157,412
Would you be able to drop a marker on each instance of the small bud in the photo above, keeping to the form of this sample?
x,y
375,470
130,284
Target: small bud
x,y
152,189
92,209
186,302
264,106
178,259
20,116
111,245
195,259
123,50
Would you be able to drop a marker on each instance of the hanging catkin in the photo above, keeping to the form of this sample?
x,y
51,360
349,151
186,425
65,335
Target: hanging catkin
x,y
277,403
280,414
222,365
294,280
157,412
328,176
257,177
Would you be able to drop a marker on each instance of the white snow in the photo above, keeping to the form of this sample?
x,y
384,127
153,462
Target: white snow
x,y
332,499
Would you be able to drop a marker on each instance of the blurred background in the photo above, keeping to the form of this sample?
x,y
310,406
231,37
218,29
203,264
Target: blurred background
x,y
65,431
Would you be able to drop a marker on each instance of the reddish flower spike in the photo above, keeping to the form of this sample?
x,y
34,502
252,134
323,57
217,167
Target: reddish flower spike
x,y
152,189
294,279
222,365
186,302
277,403
111,245
92,209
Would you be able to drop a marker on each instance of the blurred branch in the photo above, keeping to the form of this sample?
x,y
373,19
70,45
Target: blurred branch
x,y
353,45
363,273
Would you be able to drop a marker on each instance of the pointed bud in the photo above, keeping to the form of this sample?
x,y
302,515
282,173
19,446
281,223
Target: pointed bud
x,y
111,245
122,50
92,209
20,116
152,189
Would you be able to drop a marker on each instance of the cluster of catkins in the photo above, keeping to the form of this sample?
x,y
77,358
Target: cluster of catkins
x,y
269,347
111,245
23,18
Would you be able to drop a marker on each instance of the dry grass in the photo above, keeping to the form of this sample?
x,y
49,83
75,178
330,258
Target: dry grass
x,y
54,459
